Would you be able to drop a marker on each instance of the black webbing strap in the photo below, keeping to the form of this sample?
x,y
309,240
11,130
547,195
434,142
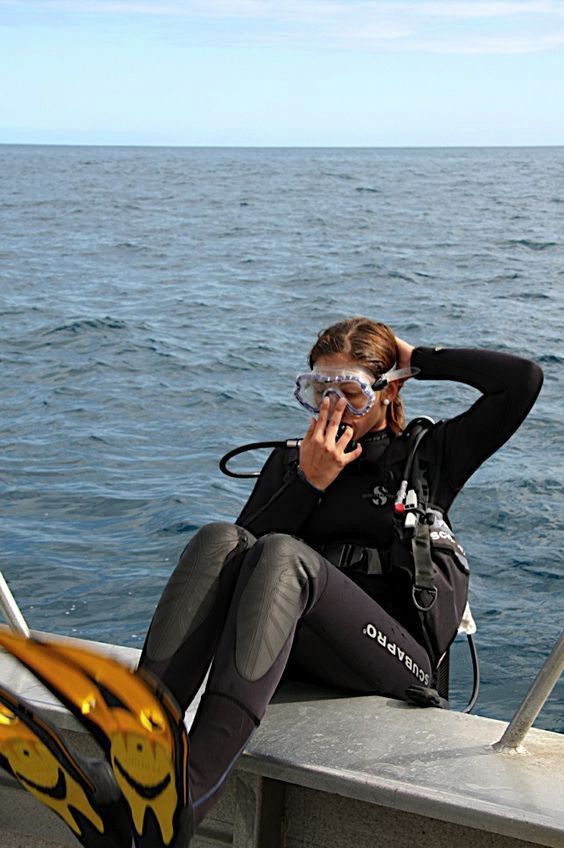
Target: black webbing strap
x,y
350,556
424,592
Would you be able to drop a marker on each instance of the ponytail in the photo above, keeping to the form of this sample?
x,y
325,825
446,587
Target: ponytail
x,y
395,415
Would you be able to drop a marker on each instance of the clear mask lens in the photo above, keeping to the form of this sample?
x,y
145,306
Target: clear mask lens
x,y
354,388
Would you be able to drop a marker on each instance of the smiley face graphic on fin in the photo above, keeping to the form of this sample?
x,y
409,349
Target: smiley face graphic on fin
x,y
33,752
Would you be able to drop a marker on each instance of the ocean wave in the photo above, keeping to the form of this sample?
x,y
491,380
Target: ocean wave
x,y
530,244
82,325
400,275
550,359
131,245
506,278
526,295
338,176
178,527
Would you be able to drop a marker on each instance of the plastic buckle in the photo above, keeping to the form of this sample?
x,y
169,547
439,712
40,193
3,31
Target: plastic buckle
x,y
432,591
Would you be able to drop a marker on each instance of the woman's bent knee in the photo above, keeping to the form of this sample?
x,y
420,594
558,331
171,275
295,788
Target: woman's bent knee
x,y
281,545
212,545
218,532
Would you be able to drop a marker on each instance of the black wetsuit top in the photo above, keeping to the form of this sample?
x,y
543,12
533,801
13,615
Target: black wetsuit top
x,y
357,506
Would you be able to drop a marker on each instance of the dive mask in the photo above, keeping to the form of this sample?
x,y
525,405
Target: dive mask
x,y
356,385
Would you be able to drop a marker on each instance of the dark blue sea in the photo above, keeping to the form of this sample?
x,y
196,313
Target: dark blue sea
x,y
156,304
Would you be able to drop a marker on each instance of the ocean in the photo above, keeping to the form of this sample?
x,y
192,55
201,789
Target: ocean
x,y
156,305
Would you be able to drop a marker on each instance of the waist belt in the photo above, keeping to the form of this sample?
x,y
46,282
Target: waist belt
x,y
351,557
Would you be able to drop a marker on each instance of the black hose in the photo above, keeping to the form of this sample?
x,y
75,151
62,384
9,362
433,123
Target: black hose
x,y
250,447
424,424
287,443
476,673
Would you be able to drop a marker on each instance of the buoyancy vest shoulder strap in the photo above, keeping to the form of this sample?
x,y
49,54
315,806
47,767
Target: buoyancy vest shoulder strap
x,y
410,511
412,437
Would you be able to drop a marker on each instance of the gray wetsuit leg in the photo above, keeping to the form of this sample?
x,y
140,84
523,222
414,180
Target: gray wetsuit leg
x,y
290,602
189,617
343,634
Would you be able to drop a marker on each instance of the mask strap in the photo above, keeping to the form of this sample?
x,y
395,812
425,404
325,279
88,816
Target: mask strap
x,y
394,374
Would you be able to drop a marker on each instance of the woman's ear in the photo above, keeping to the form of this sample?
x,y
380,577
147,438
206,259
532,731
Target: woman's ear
x,y
391,391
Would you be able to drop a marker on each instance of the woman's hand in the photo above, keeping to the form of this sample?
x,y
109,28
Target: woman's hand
x,y
321,457
404,353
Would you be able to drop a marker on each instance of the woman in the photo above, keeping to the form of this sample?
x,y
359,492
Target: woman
x,y
306,577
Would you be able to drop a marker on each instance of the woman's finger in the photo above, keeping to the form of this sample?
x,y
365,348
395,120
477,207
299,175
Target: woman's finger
x,y
345,438
335,419
310,429
350,457
342,444
321,422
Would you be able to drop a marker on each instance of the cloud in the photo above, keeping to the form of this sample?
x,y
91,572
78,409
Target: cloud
x,y
297,10
494,45
430,26
445,9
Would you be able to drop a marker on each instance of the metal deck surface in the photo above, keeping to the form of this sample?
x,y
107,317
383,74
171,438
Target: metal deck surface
x,y
432,762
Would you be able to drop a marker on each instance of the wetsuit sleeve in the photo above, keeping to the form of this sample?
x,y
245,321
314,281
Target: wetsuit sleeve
x,y
281,500
509,387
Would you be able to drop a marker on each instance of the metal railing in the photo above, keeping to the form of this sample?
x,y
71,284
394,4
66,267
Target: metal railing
x,y
11,610
534,700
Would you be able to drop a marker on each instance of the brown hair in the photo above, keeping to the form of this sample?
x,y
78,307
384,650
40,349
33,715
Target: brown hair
x,y
372,345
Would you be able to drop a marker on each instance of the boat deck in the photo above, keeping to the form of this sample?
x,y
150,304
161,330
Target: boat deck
x,y
419,763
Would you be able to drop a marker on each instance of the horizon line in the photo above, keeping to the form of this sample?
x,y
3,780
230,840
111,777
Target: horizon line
x,y
282,146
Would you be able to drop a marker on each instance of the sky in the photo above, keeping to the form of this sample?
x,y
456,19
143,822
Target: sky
x,y
323,73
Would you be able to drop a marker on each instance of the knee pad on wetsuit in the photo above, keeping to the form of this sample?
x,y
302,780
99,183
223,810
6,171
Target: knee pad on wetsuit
x,y
190,593
273,599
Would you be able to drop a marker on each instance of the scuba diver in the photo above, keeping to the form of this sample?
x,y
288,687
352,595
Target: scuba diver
x,y
342,570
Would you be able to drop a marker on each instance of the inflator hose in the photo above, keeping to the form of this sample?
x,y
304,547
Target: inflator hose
x,y
288,443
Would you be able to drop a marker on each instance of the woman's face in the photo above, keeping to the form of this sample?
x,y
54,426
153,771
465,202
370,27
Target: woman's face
x,y
375,418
